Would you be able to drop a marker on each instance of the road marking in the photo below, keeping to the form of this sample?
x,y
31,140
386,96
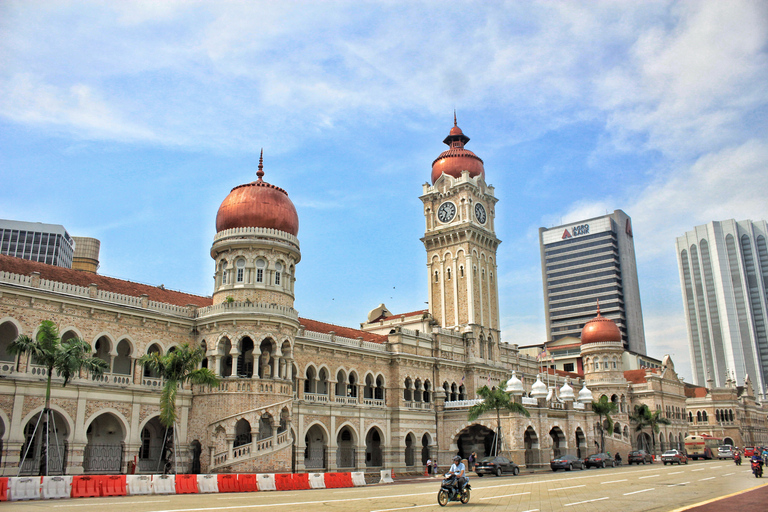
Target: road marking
x,y
700,469
588,501
710,478
636,492
564,488
675,473
613,482
729,474
532,510
676,485
403,508
84,504
648,476
503,496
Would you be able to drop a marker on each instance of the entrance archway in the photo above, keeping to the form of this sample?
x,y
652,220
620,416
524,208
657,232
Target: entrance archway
x,y
373,453
581,443
475,438
728,440
644,442
315,442
104,451
410,450
345,451
531,443
425,455
36,448
150,453
558,442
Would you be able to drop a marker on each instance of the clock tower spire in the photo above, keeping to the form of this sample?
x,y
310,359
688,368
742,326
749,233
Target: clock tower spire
x,y
459,209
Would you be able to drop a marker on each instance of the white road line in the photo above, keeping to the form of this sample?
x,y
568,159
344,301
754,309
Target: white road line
x,y
649,476
588,501
681,483
700,469
497,497
532,510
675,473
636,492
613,482
403,508
729,474
710,478
91,503
564,488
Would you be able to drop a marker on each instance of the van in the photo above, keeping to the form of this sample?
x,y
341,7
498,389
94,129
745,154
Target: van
x,y
725,452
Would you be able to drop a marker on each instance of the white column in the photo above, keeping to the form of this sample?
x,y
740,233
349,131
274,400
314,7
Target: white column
x,y
441,281
455,290
470,289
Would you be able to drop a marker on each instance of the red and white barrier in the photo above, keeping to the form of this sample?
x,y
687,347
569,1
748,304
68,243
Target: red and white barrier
x,y
23,488
358,479
138,484
207,484
56,487
266,482
317,480
163,484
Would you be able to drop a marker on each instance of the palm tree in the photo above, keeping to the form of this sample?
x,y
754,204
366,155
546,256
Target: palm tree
x,y
177,367
604,407
67,358
643,417
495,399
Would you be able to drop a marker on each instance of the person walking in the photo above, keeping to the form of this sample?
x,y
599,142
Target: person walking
x,y
471,461
429,467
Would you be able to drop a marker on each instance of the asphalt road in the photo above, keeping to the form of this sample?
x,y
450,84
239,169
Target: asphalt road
x,y
625,489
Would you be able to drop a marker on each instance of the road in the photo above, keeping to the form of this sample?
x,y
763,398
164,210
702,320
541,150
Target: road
x,y
625,489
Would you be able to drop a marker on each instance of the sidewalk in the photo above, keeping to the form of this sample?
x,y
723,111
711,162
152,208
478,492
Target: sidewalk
x,y
753,499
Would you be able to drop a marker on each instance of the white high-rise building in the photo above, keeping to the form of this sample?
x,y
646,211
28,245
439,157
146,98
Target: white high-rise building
x,y
46,243
589,261
724,279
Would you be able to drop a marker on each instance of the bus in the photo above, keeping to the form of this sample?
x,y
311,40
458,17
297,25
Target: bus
x,y
702,447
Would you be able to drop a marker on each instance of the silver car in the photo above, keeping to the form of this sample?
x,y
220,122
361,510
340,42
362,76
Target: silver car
x,y
725,452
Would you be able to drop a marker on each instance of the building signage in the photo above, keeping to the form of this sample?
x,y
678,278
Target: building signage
x,y
582,229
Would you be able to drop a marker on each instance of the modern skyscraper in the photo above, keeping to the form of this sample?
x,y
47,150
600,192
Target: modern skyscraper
x,y
46,243
589,261
724,279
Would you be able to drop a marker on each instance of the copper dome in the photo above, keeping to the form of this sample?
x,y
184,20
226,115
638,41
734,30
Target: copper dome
x,y
456,158
600,329
258,205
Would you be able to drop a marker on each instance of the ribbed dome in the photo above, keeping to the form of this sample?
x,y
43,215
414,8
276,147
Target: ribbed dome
x,y
456,158
600,329
258,205
585,395
514,385
539,389
566,392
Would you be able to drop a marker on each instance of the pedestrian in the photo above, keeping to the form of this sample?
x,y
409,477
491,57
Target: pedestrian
x,y
471,461
429,467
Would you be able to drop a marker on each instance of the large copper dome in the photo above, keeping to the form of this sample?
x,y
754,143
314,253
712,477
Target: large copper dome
x,y
456,158
258,205
600,329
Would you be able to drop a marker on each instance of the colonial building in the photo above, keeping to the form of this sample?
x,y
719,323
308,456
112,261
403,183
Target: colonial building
x,y
298,394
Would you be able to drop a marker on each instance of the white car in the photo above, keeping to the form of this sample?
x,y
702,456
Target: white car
x,y
725,452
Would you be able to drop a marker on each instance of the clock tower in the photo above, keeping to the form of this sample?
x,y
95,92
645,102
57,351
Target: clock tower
x,y
459,209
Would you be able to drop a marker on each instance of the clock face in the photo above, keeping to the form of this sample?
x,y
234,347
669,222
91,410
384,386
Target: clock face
x,y
446,212
480,213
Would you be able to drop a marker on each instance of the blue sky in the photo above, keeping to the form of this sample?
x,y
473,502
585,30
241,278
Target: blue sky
x,y
131,121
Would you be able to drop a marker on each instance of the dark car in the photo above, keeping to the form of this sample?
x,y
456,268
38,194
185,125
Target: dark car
x,y
599,460
496,466
566,462
639,457
674,456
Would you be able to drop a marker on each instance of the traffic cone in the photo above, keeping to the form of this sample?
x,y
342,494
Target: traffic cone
x,y
393,473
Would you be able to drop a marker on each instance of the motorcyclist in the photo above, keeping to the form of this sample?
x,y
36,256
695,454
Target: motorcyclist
x,y
617,459
458,469
757,459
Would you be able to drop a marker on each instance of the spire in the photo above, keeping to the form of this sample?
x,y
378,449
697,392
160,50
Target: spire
x,y
598,307
454,118
456,137
260,172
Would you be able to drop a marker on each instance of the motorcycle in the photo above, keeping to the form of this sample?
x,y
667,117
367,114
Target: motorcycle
x,y
449,491
757,468
737,459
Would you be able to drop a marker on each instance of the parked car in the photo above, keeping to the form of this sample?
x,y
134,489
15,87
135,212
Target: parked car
x,y
725,452
566,462
496,466
674,456
599,460
639,457
749,451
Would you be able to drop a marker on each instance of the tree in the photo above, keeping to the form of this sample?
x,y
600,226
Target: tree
x,y
643,417
604,407
495,399
66,358
176,368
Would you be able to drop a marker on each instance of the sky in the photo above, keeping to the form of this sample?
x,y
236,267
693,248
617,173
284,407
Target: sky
x,y
131,121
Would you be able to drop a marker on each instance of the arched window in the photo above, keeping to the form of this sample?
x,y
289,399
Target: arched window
x,y
448,273
437,276
260,265
704,415
278,271
223,267
698,415
240,270
461,271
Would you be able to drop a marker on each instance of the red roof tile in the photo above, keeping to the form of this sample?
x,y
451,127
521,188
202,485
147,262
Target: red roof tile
x,y
345,332
638,376
693,391
110,284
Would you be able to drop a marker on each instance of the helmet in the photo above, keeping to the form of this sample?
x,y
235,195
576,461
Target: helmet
x,y
457,459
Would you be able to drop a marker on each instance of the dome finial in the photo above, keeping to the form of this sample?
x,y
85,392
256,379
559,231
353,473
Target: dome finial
x,y
598,307
454,118
260,172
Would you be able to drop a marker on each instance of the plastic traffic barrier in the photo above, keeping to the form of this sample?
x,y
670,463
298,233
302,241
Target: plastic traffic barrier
x,y
386,477
186,484
317,480
163,484
229,483
86,486
248,483
4,488
113,485
55,487
138,484
358,478
23,488
207,484
337,480
301,481
266,482
284,481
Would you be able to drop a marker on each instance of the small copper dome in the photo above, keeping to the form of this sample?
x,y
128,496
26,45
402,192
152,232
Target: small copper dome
x,y
600,329
258,205
456,158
